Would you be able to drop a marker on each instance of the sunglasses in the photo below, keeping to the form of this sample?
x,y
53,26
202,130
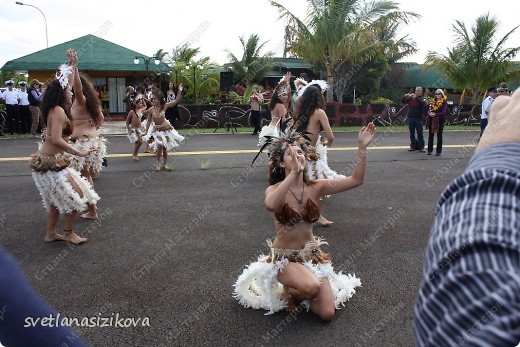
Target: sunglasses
x,y
438,94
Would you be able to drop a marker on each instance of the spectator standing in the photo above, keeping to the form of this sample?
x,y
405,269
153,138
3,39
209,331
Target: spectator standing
x,y
23,108
255,101
435,121
11,99
35,95
486,106
503,89
172,113
105,97
416,104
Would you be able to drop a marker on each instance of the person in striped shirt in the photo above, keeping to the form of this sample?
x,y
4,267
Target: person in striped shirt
x,y
470,289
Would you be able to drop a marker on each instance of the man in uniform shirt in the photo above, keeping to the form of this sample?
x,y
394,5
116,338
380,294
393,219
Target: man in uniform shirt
x,y
11,99
23,108
486,105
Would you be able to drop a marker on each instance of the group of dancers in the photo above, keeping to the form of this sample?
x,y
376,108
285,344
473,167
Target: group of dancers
x,y
146,123
72,151
296,271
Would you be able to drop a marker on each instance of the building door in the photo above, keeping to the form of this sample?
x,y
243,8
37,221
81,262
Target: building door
x,y
116,88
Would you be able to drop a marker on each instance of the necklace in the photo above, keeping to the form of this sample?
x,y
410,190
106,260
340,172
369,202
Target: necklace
x,y
300,200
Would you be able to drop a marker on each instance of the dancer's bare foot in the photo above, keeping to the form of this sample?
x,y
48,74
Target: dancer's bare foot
x,y
324,222
157,166
135,157
89,216
51,237
71,236
289,299
167,167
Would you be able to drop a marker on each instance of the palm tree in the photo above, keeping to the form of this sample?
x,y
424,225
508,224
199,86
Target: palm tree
x,y
200,76
253,66
478,59
339,35
160,55
180,57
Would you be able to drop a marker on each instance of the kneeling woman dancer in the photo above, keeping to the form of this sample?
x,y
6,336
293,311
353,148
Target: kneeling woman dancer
x,y
297,268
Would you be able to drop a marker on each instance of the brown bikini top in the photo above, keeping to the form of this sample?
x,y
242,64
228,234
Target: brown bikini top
x,y
288,216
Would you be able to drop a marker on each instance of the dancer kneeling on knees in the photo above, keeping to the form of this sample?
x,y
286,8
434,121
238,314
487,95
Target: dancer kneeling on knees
x,y
297,268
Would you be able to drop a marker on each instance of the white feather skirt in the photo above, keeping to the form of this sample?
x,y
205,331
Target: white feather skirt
x,y
94,160
319,169
169,139
135,135
56,190
267,130
257,287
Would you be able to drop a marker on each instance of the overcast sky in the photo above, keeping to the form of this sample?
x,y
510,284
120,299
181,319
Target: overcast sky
x,y
214,26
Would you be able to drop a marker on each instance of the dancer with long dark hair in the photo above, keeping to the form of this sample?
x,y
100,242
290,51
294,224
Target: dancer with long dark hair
x,y
61,187
296,267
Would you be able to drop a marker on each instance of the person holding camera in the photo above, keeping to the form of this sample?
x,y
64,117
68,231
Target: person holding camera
x,y
35,95
416,104
255,101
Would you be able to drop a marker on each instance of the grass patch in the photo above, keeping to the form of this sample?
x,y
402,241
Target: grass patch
x,y
355,129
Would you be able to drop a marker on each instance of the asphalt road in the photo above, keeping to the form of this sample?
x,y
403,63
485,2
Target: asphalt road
x,y
168,246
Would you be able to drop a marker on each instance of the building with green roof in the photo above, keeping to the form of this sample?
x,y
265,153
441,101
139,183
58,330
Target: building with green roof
x,y
105,62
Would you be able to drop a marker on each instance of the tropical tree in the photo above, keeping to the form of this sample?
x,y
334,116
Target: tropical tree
x,y
161,55
479,58
253,65
199,76
6,75
341,36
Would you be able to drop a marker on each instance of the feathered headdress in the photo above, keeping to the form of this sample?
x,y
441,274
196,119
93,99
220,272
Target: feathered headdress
x,y
63,74
276,146
282,87
299,83
321,84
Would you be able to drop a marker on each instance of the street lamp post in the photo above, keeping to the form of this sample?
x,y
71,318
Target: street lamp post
x,y
45,19
194,66
146,61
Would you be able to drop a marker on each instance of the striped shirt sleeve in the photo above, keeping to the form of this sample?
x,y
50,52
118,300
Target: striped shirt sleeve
x,y
470,289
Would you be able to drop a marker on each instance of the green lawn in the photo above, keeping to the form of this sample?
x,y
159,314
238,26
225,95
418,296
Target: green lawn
x,y
334,129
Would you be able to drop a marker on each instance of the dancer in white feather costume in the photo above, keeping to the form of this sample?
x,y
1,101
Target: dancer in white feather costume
x,y
310,117
61,187
87,117
133,122
296,268
280,108
165,137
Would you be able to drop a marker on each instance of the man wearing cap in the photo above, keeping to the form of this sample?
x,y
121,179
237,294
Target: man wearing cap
x,y
11,99
503,89
23,108
486,105
35,95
